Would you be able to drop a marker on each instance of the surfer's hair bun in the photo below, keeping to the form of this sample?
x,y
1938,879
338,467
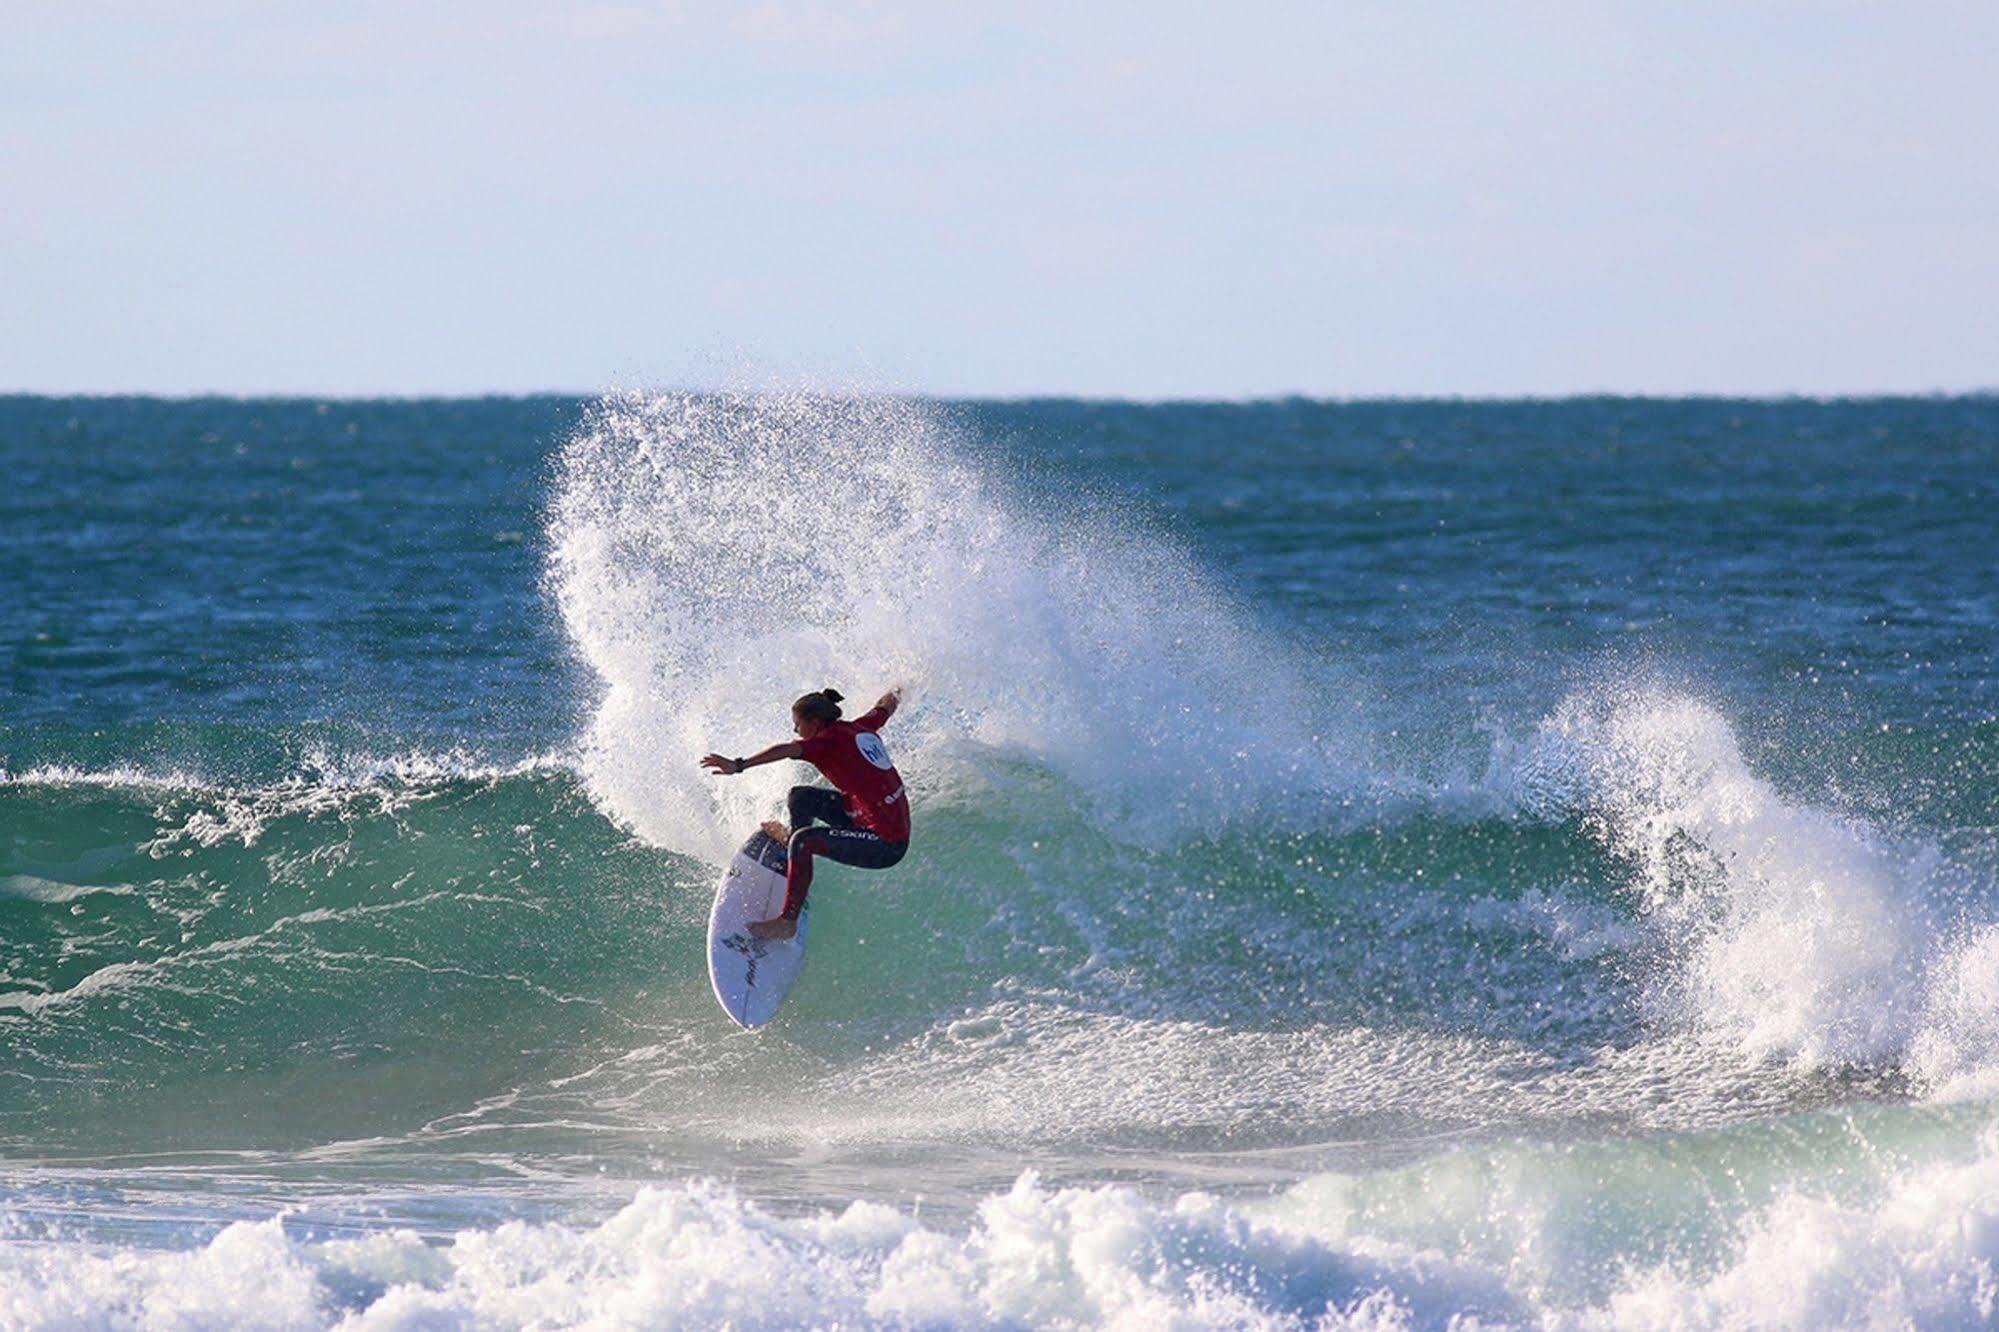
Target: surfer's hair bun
x,y
823,706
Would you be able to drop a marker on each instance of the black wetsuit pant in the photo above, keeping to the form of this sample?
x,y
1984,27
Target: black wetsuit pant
x,y
837,840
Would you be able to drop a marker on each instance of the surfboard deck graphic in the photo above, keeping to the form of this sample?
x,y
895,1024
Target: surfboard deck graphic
x,y
752,976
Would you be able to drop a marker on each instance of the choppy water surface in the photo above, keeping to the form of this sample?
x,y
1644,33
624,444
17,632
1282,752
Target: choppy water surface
x,y
1375,863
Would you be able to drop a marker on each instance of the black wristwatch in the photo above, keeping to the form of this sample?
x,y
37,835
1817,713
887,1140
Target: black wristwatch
x,y
740,765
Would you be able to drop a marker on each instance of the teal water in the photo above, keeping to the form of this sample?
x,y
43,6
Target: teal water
x,y
1523,861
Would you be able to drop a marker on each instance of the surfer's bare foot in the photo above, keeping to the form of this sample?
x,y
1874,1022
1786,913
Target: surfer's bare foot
x,y
780,928
776,831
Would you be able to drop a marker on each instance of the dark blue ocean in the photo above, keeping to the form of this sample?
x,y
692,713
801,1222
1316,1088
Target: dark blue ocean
x,y
1382,864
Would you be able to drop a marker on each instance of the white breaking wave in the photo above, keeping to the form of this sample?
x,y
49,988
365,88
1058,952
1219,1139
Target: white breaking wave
x,y
1956,1052
715,556
212,811
1919,1247
120,777
1797,932
320,767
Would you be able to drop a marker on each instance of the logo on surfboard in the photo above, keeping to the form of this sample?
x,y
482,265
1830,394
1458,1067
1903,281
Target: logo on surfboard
x,y
753,952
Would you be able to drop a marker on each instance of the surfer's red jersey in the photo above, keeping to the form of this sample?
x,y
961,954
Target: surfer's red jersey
x,y
854,759
865,824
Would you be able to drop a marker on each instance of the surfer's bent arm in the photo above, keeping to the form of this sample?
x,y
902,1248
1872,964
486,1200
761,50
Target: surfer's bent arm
x,y
724,767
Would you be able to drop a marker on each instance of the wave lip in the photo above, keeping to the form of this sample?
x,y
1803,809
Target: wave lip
x,y
1794,931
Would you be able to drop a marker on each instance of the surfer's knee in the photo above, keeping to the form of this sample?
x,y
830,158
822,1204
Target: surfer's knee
x,y
813,804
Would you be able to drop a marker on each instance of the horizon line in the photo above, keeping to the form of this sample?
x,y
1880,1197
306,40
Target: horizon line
x,y
1003,399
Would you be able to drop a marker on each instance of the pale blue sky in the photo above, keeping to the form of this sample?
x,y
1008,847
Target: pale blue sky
x,y
1137,200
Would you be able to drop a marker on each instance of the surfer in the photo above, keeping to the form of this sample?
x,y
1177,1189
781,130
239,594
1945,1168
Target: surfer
x,y
865,823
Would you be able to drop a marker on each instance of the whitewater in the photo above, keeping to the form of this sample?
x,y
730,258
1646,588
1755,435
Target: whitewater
x,y
1472,865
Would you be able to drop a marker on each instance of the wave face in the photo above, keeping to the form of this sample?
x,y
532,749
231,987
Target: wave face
x,y
1348,889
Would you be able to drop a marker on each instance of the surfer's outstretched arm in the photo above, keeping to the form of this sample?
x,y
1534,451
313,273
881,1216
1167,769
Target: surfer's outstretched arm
x,y
728,767
888,703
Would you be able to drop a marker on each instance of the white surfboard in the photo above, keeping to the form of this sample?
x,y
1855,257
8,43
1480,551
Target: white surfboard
x,y
752,976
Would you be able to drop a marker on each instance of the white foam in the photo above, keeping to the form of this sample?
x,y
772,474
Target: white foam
x,y
699,1256
1500,1237
34,888
251,1275
1924,1254
1174,1092
1840,1231
715,556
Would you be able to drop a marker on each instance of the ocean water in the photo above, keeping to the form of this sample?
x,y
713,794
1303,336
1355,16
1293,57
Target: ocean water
x,y
1382,865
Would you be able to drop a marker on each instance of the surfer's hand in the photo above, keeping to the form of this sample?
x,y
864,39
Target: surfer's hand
x,y
722,767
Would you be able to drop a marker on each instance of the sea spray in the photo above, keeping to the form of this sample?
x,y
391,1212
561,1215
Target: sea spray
x,y
715,555
1790,929
1956,1050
